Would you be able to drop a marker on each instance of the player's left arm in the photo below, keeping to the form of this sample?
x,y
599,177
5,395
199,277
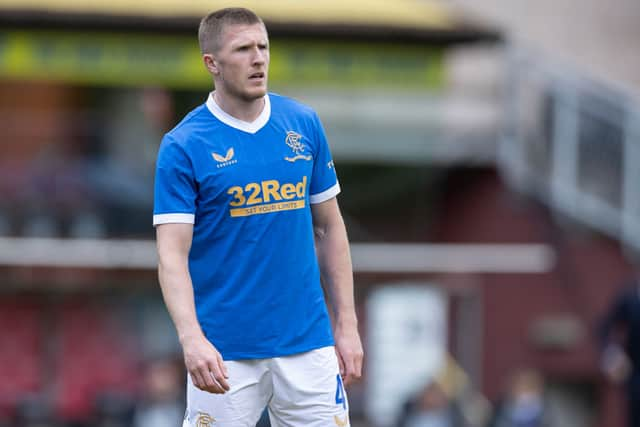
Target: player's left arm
x,y
332,249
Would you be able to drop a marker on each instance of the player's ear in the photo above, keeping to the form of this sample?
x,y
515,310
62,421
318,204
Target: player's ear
x,y
210,63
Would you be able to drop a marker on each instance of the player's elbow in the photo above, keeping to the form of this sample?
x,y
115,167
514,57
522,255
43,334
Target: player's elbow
x,y
320,231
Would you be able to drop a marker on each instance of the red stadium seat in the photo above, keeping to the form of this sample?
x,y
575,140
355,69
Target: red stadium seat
x,y
21,351
95,354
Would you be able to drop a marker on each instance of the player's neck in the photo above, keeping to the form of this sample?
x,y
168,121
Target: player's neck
x,y
247,111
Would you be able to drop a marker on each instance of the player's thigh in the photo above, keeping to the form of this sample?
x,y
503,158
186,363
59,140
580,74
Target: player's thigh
x,y
308,391
241,406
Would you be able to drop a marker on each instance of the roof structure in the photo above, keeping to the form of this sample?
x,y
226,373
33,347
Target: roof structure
x,y
409,20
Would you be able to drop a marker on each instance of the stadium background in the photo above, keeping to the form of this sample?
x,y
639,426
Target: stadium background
x,y
486,154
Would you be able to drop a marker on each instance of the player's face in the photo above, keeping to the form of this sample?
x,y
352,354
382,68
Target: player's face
x,y
242,63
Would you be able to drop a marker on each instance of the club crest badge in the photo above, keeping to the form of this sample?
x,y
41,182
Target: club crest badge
x,y
293,141
204,420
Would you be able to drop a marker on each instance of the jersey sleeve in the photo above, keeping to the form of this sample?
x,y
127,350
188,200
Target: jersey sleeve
x,y
175,187
324,181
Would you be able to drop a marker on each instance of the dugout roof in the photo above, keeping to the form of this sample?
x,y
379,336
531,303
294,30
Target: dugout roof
x,y
407,20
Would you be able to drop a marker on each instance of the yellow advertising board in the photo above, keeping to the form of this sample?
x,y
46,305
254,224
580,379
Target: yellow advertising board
x,y
130,59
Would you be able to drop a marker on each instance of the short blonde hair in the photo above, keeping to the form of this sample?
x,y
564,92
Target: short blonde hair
x,y
212,26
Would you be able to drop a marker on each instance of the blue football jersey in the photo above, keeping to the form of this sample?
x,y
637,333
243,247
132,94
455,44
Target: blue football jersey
x,y
247,189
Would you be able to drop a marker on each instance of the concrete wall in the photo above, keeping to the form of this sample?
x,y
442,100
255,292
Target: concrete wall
x,y
599,38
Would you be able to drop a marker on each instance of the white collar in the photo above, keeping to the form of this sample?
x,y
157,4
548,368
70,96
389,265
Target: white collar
x,y
249,127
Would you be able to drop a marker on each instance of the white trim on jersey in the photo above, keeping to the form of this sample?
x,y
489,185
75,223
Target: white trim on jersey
x,y
325,195
249,127
174,218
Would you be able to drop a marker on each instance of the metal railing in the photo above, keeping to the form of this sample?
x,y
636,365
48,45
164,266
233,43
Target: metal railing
x,y
573,143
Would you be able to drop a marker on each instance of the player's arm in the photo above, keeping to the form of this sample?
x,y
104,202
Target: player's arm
x,y
332,248
203,362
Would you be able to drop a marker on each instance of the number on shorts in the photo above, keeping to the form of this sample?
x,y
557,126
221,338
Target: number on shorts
x,y
340,396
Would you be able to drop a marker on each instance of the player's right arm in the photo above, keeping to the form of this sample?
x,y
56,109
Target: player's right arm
x,y
202,360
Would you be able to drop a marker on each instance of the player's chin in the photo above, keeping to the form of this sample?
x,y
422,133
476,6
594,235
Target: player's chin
x,y
257,90
259,93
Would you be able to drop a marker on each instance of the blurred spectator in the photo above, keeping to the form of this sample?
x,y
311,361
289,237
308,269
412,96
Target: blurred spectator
x,y
34,411
620,334
136,120
431,407
112,410
162,403
524,405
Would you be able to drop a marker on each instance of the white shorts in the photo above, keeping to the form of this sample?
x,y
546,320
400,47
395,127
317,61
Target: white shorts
x,y
300,390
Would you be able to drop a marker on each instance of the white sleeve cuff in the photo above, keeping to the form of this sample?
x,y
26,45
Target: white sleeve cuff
x,y
174,218
325,195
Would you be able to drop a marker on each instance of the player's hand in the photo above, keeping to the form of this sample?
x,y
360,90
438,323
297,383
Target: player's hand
x,y
205,365
349,352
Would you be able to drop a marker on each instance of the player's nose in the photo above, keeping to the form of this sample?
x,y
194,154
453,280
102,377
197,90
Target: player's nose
x,y
259,56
